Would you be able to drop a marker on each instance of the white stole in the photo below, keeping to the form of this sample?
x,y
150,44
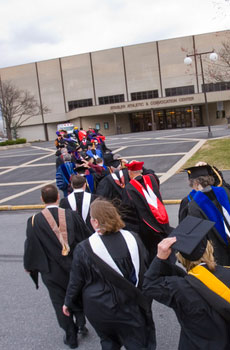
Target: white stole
x,y
85,203
100,250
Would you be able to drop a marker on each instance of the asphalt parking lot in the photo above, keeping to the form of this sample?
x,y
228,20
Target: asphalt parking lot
x,y
27,318
23,171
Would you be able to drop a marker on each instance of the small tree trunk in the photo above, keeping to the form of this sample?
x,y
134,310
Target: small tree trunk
x,y
8,132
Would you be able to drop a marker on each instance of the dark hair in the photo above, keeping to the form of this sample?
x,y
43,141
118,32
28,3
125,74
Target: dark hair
x,y
107,216
49,193
77,181
204,181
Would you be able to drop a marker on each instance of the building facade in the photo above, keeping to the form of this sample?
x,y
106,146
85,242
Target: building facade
x,y
127,89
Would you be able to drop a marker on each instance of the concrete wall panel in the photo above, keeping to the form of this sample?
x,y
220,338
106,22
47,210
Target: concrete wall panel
x,y
141,64
108,70
77,77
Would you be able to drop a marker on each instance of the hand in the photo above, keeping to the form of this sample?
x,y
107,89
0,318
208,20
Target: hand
x,y
164,248
65,310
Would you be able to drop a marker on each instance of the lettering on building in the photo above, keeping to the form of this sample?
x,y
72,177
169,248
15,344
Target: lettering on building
x,y
157,102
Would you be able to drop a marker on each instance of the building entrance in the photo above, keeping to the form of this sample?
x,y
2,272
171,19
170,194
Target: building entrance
x,y
141,121
183,117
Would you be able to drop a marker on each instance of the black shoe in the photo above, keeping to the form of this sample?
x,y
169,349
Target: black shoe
x,y
71,342
82,330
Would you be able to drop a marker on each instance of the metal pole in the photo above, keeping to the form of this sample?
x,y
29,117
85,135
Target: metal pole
x,y
205,98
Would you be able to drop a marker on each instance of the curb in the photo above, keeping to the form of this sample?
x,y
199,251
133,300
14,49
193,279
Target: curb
x,y
20,145
42,206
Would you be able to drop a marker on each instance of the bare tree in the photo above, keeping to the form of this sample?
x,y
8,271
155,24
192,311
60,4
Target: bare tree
x,y
17,106
220,71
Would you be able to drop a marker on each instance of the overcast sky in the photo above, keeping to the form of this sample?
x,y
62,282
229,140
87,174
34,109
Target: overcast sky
x,y
35,30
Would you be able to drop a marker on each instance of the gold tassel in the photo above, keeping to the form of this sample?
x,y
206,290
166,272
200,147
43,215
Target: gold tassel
x,y
65,250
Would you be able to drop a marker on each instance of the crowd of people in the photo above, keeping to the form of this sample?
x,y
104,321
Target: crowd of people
x,y
106,249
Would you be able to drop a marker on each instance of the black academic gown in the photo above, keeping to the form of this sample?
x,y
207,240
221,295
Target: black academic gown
x,y
42,253
64,203
116,317
201,326
221,250
108,188
150,230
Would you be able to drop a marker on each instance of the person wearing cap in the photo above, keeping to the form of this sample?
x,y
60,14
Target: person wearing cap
x,y
93,151
63,174
200,176
59,141
199,293
51,237
79,200
142,193
213,203
112,185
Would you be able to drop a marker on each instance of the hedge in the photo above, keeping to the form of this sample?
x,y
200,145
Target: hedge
x,y
12,142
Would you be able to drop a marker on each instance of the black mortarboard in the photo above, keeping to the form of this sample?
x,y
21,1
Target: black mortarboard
x,y
190,233
196,171
109,160
80,170
79,161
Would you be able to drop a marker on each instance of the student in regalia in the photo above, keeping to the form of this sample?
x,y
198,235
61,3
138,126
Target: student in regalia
x,y
79,200
51,237
108,269
199,293
199,177
211,202
143,194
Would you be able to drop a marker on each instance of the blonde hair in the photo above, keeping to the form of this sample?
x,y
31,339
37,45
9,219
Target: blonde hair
x,y
207,258
107,216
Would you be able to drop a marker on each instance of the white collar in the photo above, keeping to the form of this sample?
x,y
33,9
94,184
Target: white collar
x,y
52,206
77,190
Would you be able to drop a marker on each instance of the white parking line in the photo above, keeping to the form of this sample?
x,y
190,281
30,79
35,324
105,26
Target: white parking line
x,y
156,155
181,162
45,149
25,192
24,183
23,165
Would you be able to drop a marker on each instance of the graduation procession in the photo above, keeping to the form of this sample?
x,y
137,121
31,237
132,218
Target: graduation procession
x,y
105,249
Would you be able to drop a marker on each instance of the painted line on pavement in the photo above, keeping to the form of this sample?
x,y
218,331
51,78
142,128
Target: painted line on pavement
x,y
156,155
21,155
26,191
22,165
23,183
181,162
45,149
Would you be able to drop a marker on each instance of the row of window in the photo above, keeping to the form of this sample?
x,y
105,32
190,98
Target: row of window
x,y
105,100
221,86
179,90
80,103
144,95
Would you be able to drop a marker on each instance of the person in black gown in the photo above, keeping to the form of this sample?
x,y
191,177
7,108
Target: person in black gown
x,y
108,270
200,297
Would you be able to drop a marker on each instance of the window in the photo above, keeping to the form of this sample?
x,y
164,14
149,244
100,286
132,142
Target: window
x,y
80,103
220,114
144,95
180,90
220,86
106,125
97,126
104,100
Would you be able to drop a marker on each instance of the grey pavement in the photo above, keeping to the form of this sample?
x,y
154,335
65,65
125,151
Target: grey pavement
x,y
23,171
27,318
28,321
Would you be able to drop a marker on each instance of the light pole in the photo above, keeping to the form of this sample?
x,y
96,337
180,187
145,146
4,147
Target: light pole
x,y
188,61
